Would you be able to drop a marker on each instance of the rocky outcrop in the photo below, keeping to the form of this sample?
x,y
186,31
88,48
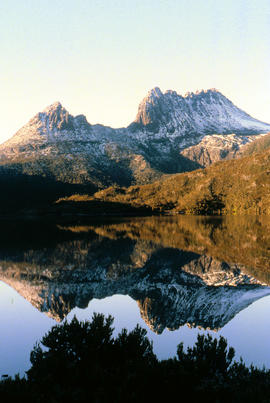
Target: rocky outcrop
x,y
218,147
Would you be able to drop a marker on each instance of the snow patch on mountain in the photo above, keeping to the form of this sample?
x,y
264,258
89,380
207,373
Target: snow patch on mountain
x,y
203,112
166,124
213,148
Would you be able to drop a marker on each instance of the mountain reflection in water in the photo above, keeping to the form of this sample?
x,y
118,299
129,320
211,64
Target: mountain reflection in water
x,y
180,270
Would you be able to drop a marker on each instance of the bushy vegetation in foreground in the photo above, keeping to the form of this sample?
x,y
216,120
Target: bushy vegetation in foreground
x,y
83,362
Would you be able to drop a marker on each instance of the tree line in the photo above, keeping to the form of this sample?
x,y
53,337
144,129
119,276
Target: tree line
x,y
81,361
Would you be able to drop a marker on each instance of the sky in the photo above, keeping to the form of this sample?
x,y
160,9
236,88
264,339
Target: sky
x,y
101,57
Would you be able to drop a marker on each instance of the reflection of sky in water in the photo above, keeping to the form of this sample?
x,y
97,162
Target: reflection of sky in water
x,y
22,325
247,332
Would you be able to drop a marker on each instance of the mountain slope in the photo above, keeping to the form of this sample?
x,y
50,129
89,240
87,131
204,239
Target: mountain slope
x,y
67,149
203,112
56,154
235,186
259,145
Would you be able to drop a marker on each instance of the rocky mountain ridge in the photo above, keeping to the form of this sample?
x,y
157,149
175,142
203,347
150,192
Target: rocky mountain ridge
x,y
203,112
57,145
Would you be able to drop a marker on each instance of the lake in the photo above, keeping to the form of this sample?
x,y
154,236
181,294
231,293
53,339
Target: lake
x,y
175,276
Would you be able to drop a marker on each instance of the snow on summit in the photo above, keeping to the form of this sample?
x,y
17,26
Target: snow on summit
x,y
205,111
165,125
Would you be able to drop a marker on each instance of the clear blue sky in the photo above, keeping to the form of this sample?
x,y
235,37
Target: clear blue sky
x,y
100,57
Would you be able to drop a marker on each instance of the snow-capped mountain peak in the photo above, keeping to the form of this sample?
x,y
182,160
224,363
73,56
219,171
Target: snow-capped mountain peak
x,y
202,112
56,117
155,93
166,124
54,106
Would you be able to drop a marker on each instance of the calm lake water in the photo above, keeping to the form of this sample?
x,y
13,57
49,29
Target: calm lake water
x,y
175,276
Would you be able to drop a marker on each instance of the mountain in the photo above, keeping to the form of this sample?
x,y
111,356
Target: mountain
x,y
56,148
238,186
203,112
56,144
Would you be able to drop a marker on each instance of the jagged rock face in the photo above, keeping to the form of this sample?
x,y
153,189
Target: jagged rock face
x,y
69,149
173,287
57,118
58,145
204,112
